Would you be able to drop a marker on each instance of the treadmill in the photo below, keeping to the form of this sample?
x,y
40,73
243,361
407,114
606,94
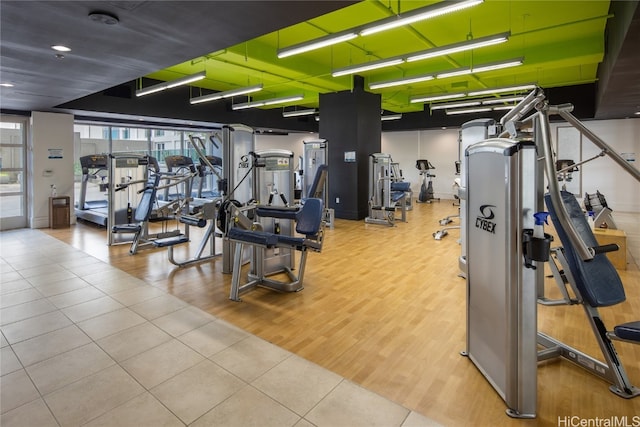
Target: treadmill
x,y
95,211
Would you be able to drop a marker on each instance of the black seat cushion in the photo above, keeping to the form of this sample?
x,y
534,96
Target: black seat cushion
x,y
628,331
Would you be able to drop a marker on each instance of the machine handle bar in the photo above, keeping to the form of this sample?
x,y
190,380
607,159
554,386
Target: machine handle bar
x,y
605,248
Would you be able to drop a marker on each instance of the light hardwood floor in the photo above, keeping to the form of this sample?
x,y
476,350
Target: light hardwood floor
x,y
385,308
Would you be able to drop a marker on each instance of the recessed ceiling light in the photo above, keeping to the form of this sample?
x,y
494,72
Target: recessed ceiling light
x,y
60,48
637,113
6,84
104,18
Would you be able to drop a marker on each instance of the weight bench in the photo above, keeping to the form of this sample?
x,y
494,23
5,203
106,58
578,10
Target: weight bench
x,y
142,214
595,283
309,224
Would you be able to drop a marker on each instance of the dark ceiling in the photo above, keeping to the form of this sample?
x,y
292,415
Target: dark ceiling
x,y
98,77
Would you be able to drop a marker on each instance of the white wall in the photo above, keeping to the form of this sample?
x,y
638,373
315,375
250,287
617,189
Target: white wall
x,y
49,131
440,147
619,188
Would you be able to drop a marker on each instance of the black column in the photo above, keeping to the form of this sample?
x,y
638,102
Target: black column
x,y
350,122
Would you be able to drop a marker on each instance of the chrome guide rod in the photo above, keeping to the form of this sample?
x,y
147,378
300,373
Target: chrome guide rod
x,y
554,190
523,107
565,114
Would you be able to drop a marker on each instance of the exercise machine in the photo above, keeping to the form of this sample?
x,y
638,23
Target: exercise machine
x,y
268,227
314,156
94,167
267,239
442,232
596,205
384,195
504,209
471,132
426,188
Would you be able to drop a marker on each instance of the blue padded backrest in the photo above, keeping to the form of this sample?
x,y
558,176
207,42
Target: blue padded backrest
x,y
317,186
309,218
597,280
145,206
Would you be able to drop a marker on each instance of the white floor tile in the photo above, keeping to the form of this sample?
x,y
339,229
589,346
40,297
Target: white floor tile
x,y
213,337
51,344
16,390
193,392
92,396
77,296
56,276
34,326
249,407
93,308
354,406
61,286
182,321
142,411
19,312
161,363
63,369
8,361
137,295
158,306
12,282
110,323
250,358
33,414
19,297
297,383
133,341
417,420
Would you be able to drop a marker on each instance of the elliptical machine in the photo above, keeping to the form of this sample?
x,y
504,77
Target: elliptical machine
x,y
426,189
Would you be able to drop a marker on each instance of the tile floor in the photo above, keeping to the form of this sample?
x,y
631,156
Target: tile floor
x,y
84,343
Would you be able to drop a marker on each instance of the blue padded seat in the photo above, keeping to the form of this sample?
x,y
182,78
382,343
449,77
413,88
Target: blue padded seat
x,y
254,237
400,186
597,279
628,331
170,241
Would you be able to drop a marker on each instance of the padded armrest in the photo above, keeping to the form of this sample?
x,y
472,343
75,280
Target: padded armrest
x,y
284,212
126,228
628,331
253,237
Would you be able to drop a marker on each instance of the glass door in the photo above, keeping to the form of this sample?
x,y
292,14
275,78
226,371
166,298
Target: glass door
x,y
13,197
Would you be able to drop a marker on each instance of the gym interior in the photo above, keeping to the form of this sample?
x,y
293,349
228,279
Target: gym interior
x,y
227,227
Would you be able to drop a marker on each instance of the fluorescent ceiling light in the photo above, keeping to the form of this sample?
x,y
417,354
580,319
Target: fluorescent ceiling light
x,y
503,107
298,113
366,67
391,117
381,25
501,100
60,48
406,81
6,84
436,98
502,90
454,73
481,68
459,47
317,43
469,110
455,105
171,84
418,15
264,102
226,94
